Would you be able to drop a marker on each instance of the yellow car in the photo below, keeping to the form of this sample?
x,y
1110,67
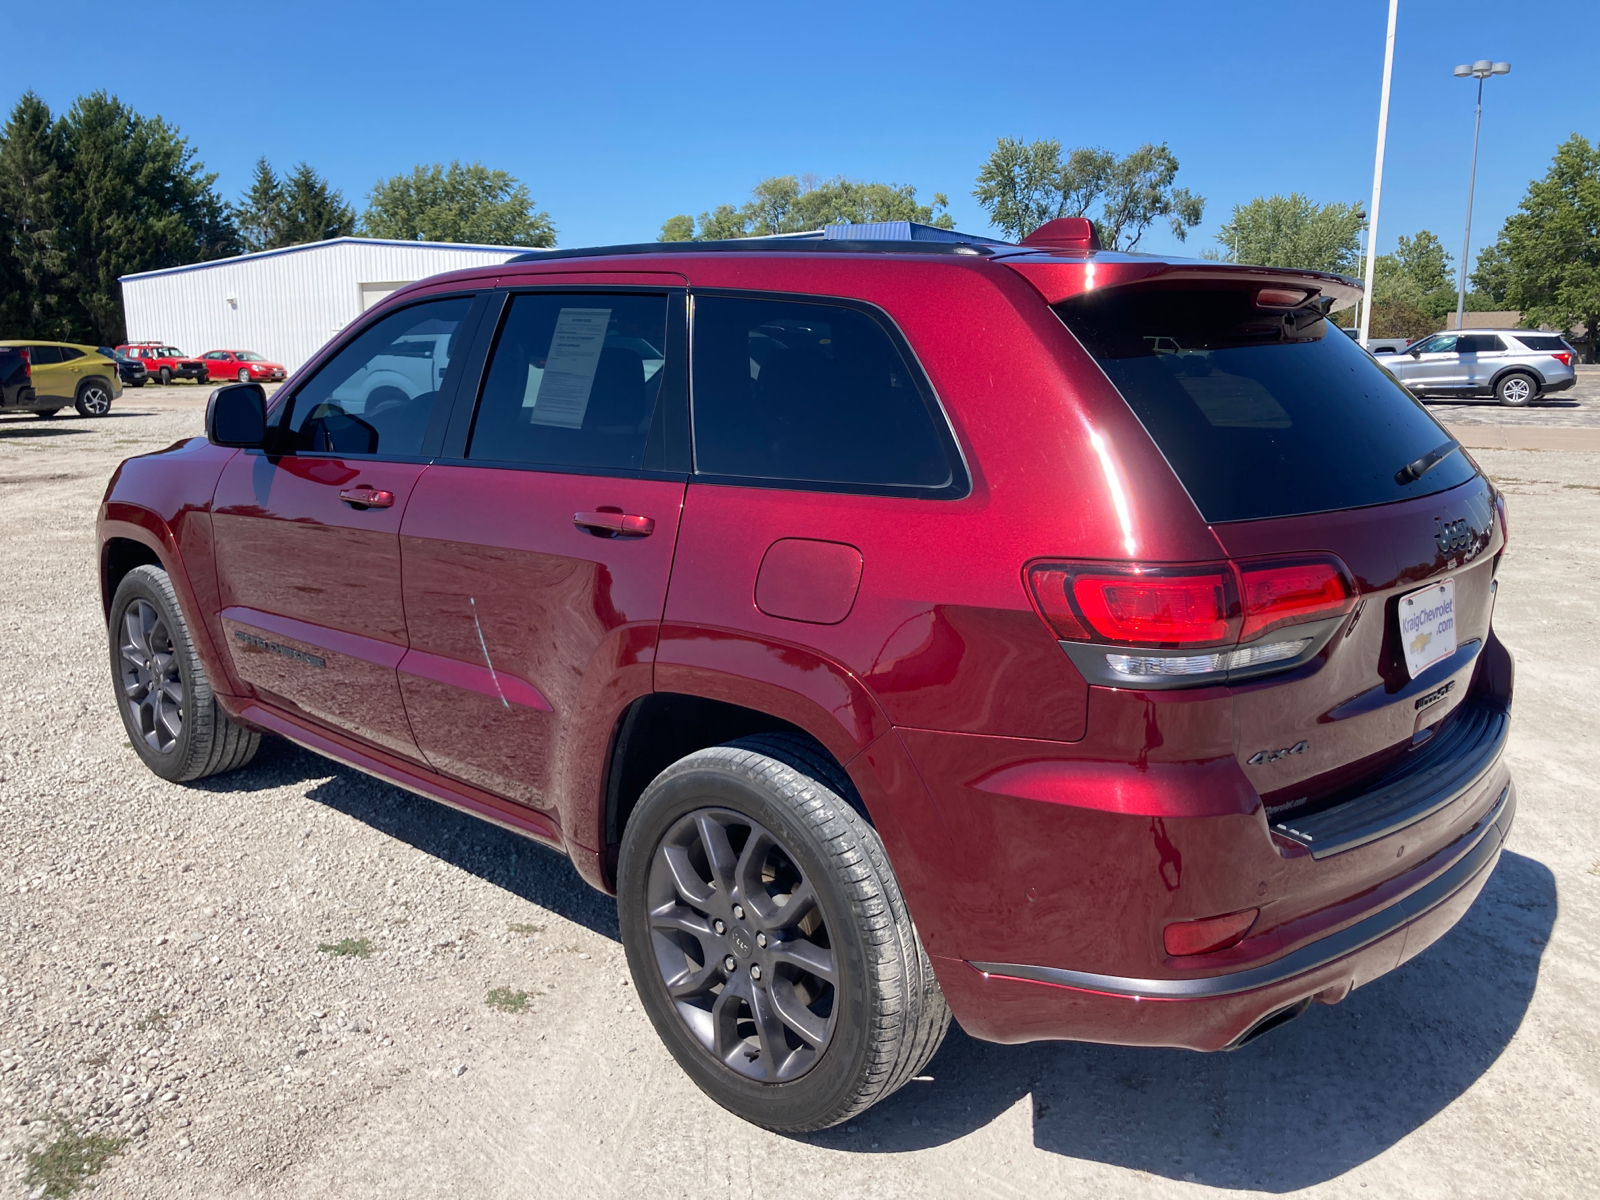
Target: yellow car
x,y
66,373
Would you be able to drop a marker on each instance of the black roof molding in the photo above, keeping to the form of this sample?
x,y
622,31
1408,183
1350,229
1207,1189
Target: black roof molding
x,y
771,245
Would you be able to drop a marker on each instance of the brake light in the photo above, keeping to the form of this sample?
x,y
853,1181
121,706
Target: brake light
x,y
1562,357
1182,610
1214,933
1289,593
27,365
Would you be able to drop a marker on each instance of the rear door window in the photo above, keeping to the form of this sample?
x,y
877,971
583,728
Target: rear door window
x,y
1533,342
573,382
1261,414
43,356
804,394
379,392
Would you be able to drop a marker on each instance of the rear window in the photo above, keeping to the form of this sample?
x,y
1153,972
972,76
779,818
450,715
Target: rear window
x,y
1261,414
800,394
1541,341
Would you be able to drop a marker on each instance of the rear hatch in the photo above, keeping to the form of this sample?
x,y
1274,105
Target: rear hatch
x,y
1316,471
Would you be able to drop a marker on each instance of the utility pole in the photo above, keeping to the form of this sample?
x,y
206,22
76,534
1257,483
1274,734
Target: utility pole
x,y
1377,175
1480,71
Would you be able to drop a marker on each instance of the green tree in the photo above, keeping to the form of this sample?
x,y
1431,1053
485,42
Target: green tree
x,y
260,213
795,204
464,203
99,193
1547,259
1292,231
1024,184
299,208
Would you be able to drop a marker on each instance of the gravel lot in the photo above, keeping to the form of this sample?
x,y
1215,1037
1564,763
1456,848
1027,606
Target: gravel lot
x,y
170,975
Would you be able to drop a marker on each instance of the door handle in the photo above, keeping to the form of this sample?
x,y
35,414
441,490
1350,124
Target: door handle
x,y
614,524
365,497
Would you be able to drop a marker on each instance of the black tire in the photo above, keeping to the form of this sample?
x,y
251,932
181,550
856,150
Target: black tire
x,y
885,1015
93,398
45,413
164,375
1515,389
143,670
244,375
136,382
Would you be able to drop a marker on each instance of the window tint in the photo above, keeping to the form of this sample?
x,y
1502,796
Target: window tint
x,y
1538,342
1261,414
808,393
43,356
573,381
1479,343
376,395
68,353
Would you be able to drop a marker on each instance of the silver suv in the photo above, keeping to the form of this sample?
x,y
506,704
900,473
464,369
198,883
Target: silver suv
x,y
1512,365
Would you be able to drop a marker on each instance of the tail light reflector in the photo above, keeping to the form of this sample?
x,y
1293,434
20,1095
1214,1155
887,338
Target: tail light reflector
x,y
1214,933
1289,593
1562,357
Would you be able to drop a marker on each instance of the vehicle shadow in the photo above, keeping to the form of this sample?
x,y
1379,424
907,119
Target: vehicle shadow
x,y
20,429
1303,1105
507,860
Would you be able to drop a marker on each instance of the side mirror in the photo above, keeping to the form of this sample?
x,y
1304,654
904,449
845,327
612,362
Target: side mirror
x,y
236,415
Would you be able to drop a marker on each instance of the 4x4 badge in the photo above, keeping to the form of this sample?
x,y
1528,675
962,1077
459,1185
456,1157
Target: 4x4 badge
x,y
1267,756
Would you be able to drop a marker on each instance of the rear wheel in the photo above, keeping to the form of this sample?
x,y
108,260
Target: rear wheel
x,y
1516,389
768,939
172,718
93,398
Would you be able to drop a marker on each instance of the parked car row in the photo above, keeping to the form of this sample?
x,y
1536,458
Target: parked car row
x,y
167,363
1512,365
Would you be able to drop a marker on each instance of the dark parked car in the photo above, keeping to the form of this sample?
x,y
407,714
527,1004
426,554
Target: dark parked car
x,y
16,378
1097,645
131,370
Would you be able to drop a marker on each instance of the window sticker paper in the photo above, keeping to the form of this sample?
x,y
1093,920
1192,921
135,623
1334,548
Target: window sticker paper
x,y
569,368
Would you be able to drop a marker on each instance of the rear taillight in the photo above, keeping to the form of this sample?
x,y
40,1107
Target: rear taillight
x,y
1562,357
1214,933
27,365
1206,620
1291,593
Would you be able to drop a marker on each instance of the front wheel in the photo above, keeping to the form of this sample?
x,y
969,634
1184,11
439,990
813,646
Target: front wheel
x,y
768,939
1516,390
172,718
164,375
244,375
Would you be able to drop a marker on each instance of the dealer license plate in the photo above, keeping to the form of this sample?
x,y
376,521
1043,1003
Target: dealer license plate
x,y
1428,626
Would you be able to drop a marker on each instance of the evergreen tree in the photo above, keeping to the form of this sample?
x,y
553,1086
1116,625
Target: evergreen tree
x,y
260,215
32,264
313,211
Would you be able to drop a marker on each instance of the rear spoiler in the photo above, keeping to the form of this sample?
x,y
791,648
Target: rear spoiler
x,y
1059,276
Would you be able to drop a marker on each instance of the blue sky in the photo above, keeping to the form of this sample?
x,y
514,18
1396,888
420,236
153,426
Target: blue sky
x,y
619,115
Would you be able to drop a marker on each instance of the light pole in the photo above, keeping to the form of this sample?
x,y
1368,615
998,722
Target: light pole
x,y
1377,174
1480,71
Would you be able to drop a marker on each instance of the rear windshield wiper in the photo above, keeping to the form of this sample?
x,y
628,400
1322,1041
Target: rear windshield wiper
x,y
1416,470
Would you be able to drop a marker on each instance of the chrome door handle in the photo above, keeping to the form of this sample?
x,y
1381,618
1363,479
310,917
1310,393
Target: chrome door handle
x,y
365,497
614,524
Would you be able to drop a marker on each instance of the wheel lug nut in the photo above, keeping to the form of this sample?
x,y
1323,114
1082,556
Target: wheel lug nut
x,y
738,912
761,940
719,926
755,970
729,964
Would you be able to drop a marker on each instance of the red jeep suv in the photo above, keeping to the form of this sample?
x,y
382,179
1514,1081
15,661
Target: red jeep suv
x,y
1087,645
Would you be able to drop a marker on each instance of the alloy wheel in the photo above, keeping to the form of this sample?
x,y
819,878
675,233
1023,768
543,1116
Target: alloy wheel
x,y
742,945
1516,390
95,400
244,375
152,685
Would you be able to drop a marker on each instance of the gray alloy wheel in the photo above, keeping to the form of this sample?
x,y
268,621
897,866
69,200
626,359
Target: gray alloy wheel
x,y
742,945
94,398
1516,390
244,374
767,937
167,706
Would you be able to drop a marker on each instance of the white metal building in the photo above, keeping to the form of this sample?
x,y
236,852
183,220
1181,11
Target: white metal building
x,y
284,304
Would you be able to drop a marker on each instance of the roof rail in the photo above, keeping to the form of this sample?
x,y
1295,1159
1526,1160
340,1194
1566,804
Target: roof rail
x,y
881,237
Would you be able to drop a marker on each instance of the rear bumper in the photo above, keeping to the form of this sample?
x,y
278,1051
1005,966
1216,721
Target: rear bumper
x,y
1559,385
1010,1002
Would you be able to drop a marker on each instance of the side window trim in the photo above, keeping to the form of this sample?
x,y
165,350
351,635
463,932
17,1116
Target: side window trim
x,y
672,404
281,415
960,485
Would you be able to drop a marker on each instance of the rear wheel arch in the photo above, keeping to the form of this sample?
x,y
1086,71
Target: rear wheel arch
x,y
1532,373
661,728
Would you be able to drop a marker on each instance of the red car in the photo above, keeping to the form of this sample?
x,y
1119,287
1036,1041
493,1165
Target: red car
x,y
1096,645
243,365
165,363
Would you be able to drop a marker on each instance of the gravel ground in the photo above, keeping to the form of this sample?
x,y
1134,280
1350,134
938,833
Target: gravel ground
x,y
172,978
